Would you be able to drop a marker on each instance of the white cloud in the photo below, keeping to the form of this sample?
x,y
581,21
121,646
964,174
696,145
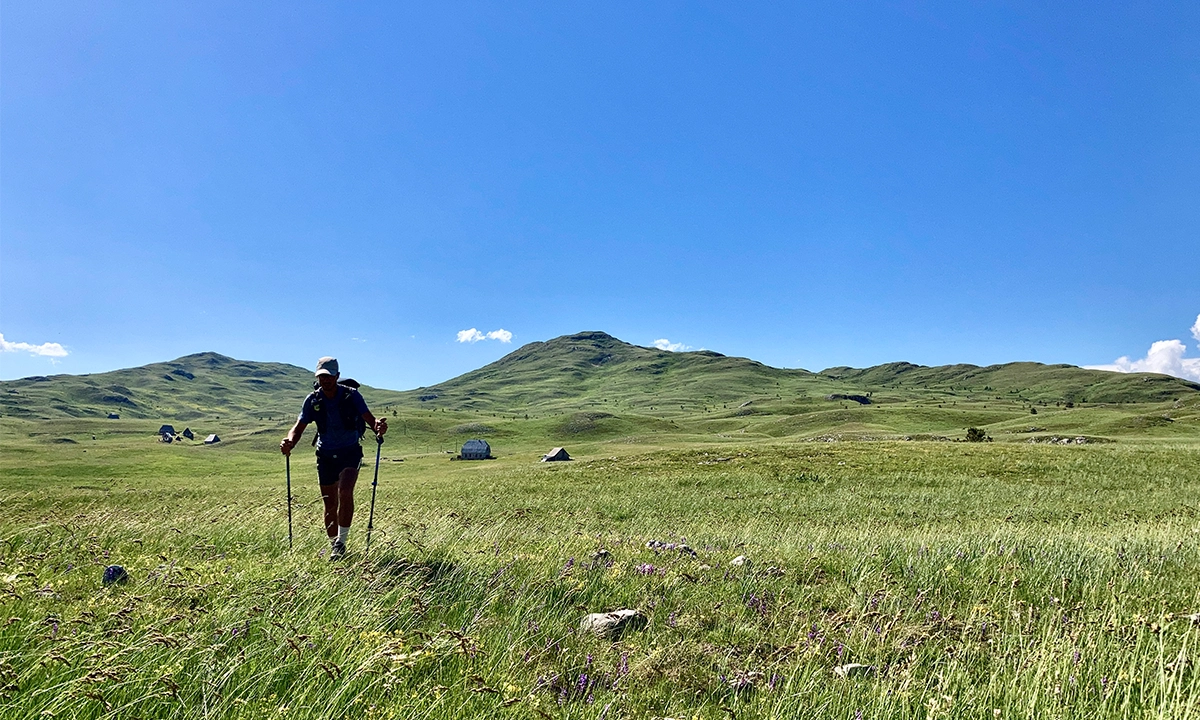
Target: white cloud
x,y
665,344
473,336
50,350
1165,357
1196,329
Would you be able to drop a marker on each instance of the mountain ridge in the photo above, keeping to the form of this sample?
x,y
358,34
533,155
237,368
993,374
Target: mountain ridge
x,y
572,372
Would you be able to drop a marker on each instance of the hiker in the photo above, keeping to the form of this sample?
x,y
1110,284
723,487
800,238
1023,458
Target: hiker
x,y
342,418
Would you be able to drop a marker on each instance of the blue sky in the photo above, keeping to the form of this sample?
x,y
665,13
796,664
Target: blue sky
x,y
807,184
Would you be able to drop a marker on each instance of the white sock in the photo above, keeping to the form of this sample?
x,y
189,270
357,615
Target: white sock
x,y
343,533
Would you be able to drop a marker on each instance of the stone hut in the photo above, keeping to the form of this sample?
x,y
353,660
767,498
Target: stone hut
x,y
476,450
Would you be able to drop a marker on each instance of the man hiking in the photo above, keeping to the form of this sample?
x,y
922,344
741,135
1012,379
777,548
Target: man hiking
x,y
342,418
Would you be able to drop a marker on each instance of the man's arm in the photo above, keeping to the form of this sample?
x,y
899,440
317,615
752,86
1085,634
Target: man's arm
x,y
379,426
292,438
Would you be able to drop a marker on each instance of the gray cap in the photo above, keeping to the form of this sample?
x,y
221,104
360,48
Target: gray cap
x,y
327,366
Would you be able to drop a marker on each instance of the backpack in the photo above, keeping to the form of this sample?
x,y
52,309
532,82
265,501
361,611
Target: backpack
x,y
349,418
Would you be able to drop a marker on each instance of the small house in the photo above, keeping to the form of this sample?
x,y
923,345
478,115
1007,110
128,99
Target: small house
x,y
476,450
556,455
187,433
212,439
166,430
114,416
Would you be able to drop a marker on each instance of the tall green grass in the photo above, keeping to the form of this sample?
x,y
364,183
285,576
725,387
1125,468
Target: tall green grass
x,y
977,580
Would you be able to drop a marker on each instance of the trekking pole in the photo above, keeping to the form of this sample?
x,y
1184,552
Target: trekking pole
x,y
289,488
374,484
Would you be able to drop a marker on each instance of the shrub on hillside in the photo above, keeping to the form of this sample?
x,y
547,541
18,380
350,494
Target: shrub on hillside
x,y
975,434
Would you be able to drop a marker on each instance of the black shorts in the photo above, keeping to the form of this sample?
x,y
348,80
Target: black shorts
x,y
331,465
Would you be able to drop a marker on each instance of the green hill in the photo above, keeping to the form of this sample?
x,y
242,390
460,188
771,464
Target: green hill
x,y
597,367
204,385
592,387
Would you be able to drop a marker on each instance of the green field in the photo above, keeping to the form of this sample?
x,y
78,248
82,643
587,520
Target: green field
x,y
1050,573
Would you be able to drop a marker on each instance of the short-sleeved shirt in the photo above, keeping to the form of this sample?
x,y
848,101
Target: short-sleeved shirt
x,y
336,435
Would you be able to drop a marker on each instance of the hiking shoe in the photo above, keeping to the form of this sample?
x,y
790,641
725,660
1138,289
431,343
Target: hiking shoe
x,y
336,550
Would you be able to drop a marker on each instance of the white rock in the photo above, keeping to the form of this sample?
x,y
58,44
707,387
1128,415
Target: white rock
x,y
853,670
612,624
740,560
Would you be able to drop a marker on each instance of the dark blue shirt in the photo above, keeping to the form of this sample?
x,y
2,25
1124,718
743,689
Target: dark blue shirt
x,y
336,435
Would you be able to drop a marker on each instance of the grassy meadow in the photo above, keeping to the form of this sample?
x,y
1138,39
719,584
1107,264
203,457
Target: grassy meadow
x,y
1008,579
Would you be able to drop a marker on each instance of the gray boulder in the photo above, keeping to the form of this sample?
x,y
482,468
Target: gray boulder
x,y
613,624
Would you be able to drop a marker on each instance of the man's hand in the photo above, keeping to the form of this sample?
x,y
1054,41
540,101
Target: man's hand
x,y
286,445
381,427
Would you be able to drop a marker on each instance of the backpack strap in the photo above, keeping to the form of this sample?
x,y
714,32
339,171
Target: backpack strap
x,y
345,398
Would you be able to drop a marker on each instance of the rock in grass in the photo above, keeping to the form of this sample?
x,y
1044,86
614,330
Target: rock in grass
x,y
613,624
602,558
740,561
660,546
854,670
115,575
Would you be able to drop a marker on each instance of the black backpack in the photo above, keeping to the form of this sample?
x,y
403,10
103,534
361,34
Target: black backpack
x,y
346,388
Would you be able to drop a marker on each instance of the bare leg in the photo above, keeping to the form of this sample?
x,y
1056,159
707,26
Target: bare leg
x,y
329,495
345,498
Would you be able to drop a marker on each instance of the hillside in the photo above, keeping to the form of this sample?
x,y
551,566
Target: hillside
x,y
203,385
596,367
592,387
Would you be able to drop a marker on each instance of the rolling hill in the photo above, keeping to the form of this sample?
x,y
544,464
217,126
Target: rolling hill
x,y
203,385
594,366
591,386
